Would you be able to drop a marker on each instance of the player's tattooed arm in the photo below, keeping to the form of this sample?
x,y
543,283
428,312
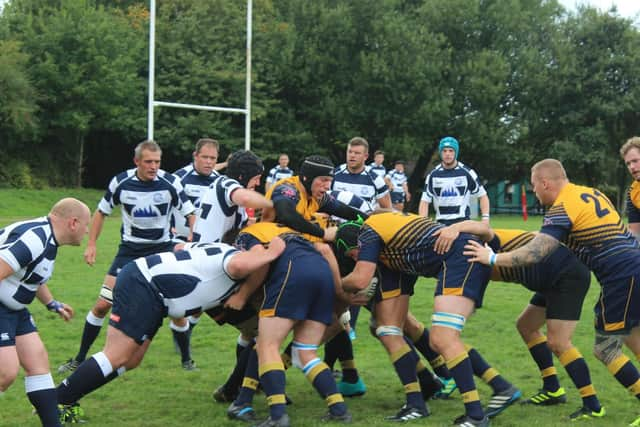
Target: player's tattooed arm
x,y
533,252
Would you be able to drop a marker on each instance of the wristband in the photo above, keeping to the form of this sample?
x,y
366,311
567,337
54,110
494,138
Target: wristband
x,y
486,216
55,306
492,259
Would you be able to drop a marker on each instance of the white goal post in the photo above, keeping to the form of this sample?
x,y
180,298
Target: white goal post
x,y
152,103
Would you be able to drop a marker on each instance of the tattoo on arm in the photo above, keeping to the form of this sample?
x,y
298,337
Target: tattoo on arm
x,y
534,251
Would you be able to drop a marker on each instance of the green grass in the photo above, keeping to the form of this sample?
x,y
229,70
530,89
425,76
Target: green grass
x,y
160,393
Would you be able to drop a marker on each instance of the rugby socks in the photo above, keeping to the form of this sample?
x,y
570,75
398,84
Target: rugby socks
x,y
355,311
286,355
462,372
92,327
193,321
41,392
272,379
488,374
345,356
333,348
404,361
541,354
250,381
319,375
234,381
626,374
181,335
90,375
577,369
421,342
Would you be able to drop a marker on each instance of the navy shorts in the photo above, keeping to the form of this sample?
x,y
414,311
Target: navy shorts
x,y
462,278
300,285
128,251
137,309
564,294
618,308
397,197
393,283
14,323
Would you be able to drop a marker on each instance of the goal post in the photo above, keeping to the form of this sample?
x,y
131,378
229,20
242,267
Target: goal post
x,y
152,103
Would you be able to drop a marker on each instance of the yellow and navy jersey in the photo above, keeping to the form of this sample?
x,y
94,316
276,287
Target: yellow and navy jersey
x,y
263,232
535,277
585,220
402,242
293,190
633,202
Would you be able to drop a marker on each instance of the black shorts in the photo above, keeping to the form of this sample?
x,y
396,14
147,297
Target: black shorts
x,y
397,197
565,294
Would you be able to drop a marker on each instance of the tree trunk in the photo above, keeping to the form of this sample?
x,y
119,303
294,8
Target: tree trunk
x,y
80,144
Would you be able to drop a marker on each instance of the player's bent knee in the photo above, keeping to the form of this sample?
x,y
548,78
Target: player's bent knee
x,y
607,347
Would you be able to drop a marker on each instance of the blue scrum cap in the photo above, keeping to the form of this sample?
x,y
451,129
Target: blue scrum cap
x,y
449,142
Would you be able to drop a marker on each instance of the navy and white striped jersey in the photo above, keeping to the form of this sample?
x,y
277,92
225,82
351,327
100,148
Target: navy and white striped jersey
x,y
377,169
350,199
191,280
365,184
146,205
450,191
398,179
218,214
30,249
194,186
277,173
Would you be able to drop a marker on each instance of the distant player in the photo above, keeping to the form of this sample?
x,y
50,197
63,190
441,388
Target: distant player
x,y
377,166
397,182
450,187
147,196
279,172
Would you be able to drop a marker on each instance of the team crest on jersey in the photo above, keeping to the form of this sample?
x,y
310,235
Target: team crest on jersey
x,y
459,181
449,192
288,192
145,212
158,197
547,221
367,191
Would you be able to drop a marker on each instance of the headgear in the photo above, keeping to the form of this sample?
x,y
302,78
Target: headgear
x,y
244,165
449,142
312,167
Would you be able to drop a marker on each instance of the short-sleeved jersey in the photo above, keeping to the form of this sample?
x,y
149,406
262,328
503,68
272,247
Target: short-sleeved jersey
x,y
366,184
292,189
402,242
586,221
398,179
277,173
536,277
191,280
633,202
218,214
377,169
30,249
450,191
194,185
146,205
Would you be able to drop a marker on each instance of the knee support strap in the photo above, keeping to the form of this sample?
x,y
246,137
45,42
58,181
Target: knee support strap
x,y
383,331
448,320
296,347
106,293
608,347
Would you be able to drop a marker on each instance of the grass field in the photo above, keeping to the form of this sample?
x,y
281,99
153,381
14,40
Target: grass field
x,y
160,393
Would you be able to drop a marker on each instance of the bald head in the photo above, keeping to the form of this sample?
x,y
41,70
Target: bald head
x,y
70,220
69,208
550,169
